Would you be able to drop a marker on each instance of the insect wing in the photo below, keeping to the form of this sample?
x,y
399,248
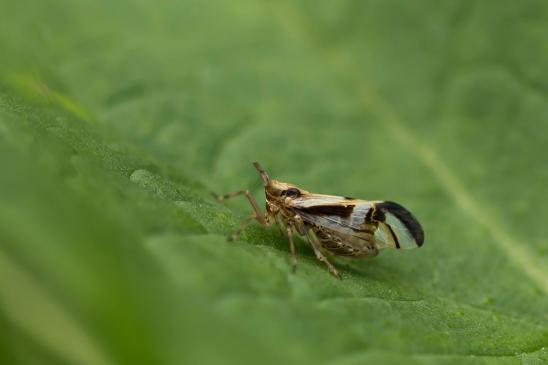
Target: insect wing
x,y
397,227
338,214
393,226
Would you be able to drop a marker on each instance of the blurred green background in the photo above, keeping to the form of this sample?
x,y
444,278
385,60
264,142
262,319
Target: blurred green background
x,y
117,119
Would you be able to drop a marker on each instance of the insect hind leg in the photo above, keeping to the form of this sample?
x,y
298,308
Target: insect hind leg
x,y
319,255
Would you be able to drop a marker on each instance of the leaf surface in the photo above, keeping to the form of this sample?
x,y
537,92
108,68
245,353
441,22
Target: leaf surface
x,y
117,120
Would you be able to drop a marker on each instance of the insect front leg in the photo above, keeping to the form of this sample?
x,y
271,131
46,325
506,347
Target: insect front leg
x,y
282,226
257,211
292,248
314,242
257,214
234,236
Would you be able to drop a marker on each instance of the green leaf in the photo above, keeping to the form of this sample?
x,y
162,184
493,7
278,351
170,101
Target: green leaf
x,y
118,119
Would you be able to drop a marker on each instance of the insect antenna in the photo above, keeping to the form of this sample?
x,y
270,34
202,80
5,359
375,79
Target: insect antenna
x,y
264,175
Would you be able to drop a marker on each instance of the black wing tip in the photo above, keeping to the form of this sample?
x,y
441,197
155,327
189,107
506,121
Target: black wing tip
x,y
406,217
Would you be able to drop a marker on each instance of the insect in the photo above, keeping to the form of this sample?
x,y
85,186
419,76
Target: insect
x,y
333,225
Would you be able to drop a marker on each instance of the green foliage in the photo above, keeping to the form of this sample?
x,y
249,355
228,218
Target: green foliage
x,y
118,118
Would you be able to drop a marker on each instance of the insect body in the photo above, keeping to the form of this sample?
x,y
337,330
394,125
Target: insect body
x,y
333,225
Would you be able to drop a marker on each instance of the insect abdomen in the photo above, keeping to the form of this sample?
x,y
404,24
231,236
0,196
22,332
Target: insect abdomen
x,y
347,245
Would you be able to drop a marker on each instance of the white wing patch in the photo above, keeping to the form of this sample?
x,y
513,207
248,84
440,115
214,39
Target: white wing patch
x,y
384,238
312,200
405,239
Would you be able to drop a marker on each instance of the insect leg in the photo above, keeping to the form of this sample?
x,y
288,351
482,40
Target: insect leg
x,y
257,212
319,255
280,223
292,248
240,229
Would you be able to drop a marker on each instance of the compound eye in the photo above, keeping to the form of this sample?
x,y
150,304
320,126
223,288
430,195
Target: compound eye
x,y
291,193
